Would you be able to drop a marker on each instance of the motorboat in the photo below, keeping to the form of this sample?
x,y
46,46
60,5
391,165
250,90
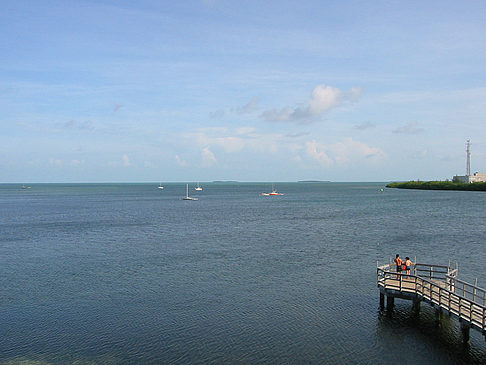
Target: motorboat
x,y
273,193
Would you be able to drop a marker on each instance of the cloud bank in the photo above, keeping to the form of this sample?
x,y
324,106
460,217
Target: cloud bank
x,y
300,149
343,153
323,99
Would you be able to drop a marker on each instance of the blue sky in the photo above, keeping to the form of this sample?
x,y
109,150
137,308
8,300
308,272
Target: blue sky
x,y
138,91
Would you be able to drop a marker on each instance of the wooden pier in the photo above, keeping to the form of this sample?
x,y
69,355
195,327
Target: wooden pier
x,y
439,286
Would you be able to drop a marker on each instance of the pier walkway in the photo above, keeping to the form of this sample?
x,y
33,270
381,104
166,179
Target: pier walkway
x,y
439,286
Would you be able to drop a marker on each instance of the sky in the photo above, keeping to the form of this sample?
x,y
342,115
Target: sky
x,y
203,90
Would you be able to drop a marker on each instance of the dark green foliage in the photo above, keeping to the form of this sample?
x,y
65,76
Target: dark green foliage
x,y
438,185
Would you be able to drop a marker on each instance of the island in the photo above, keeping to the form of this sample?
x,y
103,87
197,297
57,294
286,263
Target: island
x,y
438,185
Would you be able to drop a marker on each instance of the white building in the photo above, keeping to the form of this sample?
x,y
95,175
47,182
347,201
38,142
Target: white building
x,y
476,177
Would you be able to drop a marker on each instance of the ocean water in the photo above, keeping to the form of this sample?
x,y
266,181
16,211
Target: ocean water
x,y
130,274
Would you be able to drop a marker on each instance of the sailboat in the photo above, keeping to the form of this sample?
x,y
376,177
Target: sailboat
x,y
160,187
187,197
274,192
198,188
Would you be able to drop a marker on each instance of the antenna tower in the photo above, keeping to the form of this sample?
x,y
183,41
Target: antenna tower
x,y
468,158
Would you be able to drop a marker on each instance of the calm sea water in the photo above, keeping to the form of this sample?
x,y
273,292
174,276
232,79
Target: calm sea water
x,y
130,274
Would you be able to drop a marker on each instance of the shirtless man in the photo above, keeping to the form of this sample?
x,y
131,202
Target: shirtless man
x,y
398,262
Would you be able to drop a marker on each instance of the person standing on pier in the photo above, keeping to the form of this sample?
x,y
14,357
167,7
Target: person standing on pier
x,y
398,262
408,265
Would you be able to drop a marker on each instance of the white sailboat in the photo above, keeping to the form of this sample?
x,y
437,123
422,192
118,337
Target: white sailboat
x,y
187,197
198,187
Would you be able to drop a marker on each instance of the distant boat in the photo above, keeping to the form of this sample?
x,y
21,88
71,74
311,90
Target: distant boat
x,y
25,187
198,188
273,193
160,187
187,197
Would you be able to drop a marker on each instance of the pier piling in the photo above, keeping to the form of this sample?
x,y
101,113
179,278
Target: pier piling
x,y
465,327
416,305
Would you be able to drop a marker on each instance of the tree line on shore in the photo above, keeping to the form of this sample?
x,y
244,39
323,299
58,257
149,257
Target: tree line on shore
x,y
438,185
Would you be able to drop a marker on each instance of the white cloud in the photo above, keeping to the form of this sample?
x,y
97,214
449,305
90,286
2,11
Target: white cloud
x,y
323,99
350,151
343,153
208,158
220,142
180,161
126,160
225,141
220,137
317,151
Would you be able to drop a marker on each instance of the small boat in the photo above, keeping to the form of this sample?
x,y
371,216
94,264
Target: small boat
x,y
187,197
198,188
160,187
25,187
273,193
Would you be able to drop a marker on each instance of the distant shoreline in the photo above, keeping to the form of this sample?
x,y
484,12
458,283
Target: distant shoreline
x,y
438,185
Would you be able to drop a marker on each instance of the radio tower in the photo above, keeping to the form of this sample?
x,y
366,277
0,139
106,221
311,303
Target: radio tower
x,y
468,158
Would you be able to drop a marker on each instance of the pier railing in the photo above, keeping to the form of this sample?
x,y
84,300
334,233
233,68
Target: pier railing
x,y
468,291
439,286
